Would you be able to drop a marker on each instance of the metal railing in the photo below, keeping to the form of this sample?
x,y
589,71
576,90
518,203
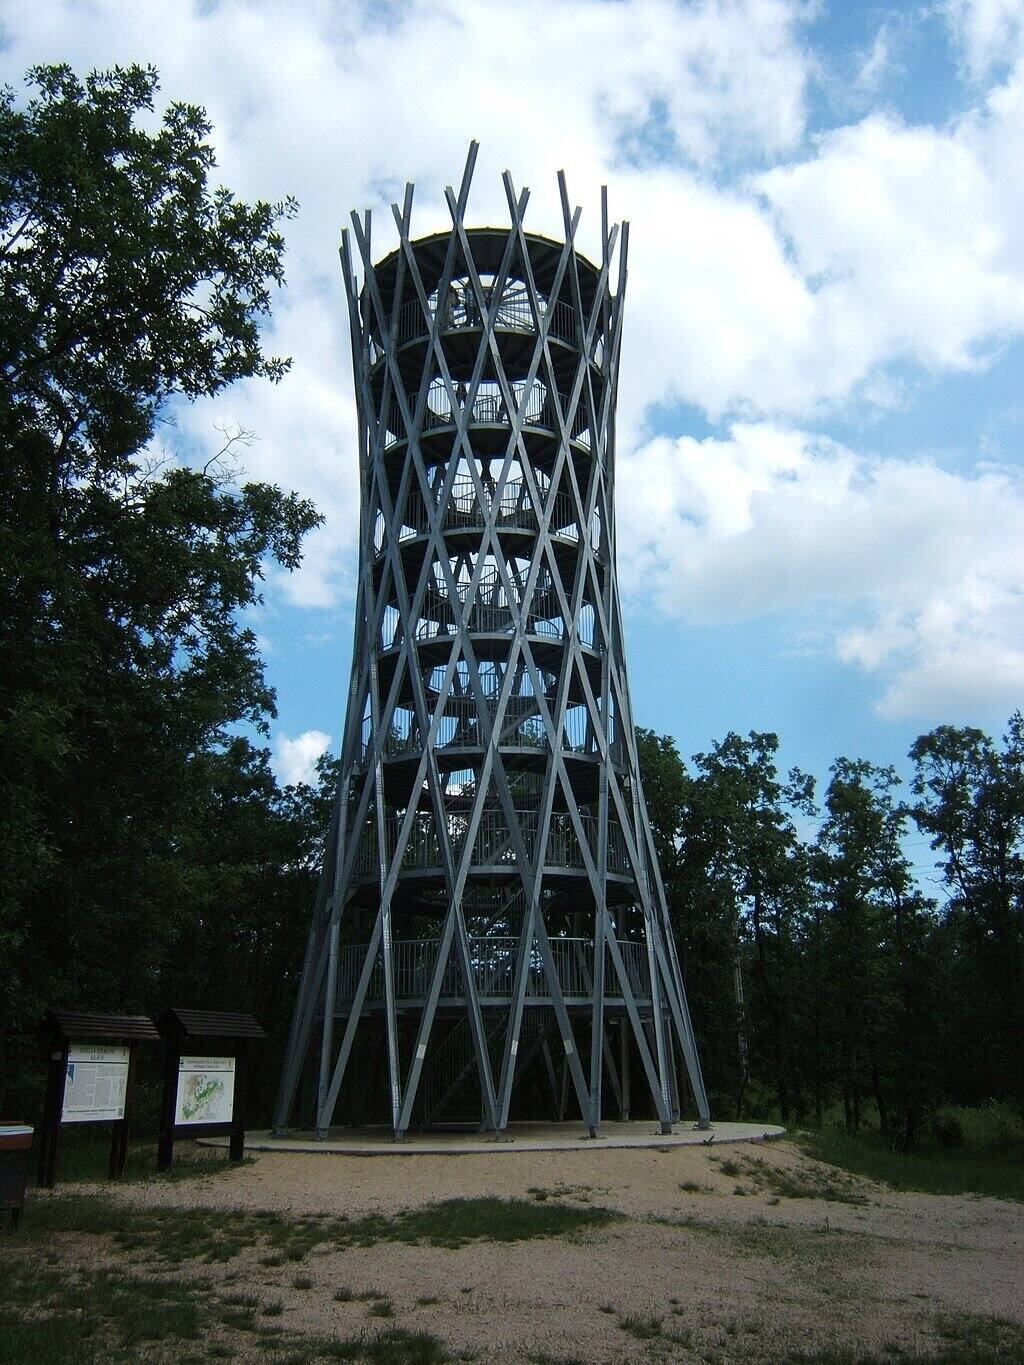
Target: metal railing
x,y
460,728
493,845
491,613
493,962
460,313
463,511
489,409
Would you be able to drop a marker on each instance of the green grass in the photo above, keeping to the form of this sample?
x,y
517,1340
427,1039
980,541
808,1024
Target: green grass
x,y
644,1329
50,1313
393,1347
962,1339
85,1159
980,1337
171,1236
998,1174
761,1239
818,1182
60,1315
50,1317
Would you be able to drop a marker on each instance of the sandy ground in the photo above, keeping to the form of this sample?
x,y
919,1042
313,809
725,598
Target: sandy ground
x,y
727,1271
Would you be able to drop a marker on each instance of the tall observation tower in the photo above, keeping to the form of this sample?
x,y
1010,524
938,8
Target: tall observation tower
x,y
490,936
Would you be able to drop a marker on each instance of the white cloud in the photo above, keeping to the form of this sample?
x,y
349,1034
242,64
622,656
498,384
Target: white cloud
x,y
776,295
919,568
305,430
988,33
907,242
773,277
295,759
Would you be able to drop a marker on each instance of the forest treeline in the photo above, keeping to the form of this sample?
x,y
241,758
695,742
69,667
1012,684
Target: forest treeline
x,y
148,855
819,973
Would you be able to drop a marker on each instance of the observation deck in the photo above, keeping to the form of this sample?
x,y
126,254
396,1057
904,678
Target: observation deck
x,y
494,964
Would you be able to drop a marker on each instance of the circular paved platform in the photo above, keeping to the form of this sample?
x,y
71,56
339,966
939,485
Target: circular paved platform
x,y
519,1137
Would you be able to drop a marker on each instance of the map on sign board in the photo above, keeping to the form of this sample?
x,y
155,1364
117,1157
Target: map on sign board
x,y
95,1085
206,1090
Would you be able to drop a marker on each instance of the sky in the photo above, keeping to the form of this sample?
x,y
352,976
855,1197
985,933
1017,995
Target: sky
x,y
820,487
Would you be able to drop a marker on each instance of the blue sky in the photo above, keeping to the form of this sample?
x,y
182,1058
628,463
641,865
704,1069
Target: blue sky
x,y
821,499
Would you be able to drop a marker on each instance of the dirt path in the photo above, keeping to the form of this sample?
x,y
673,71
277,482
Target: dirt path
x,y
710,1262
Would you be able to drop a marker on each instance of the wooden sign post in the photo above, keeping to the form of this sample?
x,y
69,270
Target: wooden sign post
x,y
90,1078
206,1077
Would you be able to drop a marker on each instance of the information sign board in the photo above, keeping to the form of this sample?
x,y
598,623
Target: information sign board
x,y
206,1090
96,1083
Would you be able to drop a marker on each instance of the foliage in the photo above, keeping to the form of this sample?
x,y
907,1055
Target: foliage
x,y
136,823
817,970
970,800
990,1172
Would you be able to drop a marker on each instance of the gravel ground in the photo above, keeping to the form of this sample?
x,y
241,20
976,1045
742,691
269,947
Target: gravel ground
x,y
725,1269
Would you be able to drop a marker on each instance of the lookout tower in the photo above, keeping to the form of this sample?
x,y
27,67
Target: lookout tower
x,y
490,935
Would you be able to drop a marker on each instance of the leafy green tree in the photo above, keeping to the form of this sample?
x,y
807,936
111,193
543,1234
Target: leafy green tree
x,y
744,815
703,921
970,800
878,955
126,282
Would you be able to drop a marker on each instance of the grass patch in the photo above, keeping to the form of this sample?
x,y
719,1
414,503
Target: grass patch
x,y
963,1339
85,1159
974,1336
808,1182
393,1347
51,1316
456,1222
997,1174
52,1313
644,1329
776,1241
171,1236
57,1316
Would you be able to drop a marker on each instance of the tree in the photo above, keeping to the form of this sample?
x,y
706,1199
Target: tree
x,y
971,802
877,953
126,282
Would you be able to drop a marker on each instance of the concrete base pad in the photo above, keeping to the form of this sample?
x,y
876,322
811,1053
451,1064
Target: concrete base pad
x,y
518,1137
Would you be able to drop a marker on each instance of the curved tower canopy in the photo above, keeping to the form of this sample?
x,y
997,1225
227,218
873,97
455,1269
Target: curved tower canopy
x,y
490,937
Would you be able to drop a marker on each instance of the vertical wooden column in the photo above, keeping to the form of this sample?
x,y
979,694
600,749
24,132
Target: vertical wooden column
x,y
49,1132
236,1147
119,1136
165,1149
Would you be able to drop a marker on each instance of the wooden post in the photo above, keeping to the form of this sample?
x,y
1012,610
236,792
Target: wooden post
x,y
119,1136
165,1148
236,1149
49,1132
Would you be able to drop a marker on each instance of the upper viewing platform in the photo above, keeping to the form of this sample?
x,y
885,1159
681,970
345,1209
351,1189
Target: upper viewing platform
x,y
497,288
489,247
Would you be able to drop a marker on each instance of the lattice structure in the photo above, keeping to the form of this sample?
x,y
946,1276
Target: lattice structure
x,y
491,915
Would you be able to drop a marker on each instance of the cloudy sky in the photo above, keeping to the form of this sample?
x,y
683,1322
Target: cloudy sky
x,y
821,501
